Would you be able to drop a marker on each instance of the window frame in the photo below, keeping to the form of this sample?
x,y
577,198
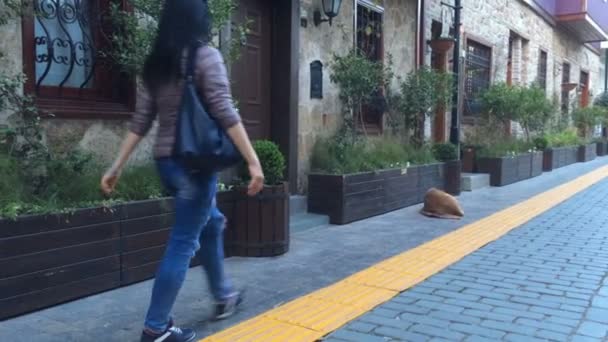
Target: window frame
x,y
375,127
113,93
543,84
466,114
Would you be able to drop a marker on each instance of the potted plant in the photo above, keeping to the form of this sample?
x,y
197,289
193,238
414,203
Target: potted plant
x,y
350,182
586,119
448,154
259,226
562,149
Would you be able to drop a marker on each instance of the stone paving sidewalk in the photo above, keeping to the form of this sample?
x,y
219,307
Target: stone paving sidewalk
x,y
317,259
544,281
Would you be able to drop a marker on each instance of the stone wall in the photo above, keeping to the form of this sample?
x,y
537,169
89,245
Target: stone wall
x,y
11,48
491,22
321,117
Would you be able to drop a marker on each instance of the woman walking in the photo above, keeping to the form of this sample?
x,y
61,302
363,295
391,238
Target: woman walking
x,y
198,222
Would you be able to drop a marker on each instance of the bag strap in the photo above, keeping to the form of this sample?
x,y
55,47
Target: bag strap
x,y
192,59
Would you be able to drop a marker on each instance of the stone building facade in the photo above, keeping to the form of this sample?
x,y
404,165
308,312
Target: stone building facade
x,y
272,81
526,43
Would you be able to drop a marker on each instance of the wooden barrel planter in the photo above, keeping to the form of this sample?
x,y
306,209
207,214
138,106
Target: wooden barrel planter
x,y
257,226
587,153
50,259
352,197
602,148
557,157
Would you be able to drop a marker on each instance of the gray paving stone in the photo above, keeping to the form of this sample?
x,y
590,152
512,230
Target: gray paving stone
x,y
489,315
564,329
361,327
434,332
401,335
468,304
597,315
593,329
353,336
440,306
371,318
486,294
476,338
511,337
558,313
449,317
386,312
477,330
504,304
509,327
402,308
600,302
551,335
581,338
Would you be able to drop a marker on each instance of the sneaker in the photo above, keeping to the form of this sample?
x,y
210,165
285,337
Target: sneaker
x,y
228,307
173,334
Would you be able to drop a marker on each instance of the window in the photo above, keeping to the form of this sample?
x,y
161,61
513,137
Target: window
x,y
565,94
62,40
370,43
477,75
584,89
542,70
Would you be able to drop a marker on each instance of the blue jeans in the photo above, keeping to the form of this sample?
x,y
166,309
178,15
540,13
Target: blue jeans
x,y
198,224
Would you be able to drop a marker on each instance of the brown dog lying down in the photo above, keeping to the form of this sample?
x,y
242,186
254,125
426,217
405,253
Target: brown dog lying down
x,y
442,205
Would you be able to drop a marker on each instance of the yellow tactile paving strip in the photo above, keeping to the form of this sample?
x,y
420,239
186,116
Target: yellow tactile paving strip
x,y
315,315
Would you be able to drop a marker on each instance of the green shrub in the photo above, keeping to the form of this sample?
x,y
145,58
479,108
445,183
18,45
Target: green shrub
x,y
336,156
567,137
445,152
587,118
272,160
602,100
68,182
504,148
541,143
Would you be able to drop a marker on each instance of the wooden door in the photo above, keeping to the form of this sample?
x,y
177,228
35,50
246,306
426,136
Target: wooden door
x,y
251,74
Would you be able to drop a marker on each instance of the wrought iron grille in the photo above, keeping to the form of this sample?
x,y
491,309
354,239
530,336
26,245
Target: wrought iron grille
x,y
542,70
369,32
64,41
478,63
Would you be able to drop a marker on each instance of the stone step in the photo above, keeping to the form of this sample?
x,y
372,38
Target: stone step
x,y
474,181
305,221
297,205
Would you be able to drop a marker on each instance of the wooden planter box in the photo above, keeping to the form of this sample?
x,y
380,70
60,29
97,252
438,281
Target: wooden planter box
x,y
508,170
537,163
50,259
602,149
587,153
257,226
145,230
469,160
557,157
352,197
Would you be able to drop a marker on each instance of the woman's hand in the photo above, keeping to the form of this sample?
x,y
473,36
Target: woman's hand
x,y
257,179
110,179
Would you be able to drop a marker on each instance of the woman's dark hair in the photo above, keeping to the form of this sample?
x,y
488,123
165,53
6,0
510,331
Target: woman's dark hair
x,y
182,23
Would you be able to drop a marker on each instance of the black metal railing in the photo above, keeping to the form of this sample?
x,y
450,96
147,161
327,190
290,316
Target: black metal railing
x,y
64,40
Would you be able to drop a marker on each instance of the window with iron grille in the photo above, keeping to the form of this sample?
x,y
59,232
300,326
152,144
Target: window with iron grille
x,y
370,43
62,40
542,70
477,75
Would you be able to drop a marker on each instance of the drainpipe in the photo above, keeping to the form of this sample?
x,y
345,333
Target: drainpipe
x,y
606,72
420,34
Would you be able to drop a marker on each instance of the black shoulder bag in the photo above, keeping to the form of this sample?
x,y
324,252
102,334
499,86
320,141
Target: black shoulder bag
x,y
200,142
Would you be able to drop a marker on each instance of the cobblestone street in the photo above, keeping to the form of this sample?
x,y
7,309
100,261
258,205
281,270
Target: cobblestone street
x,y
544,281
